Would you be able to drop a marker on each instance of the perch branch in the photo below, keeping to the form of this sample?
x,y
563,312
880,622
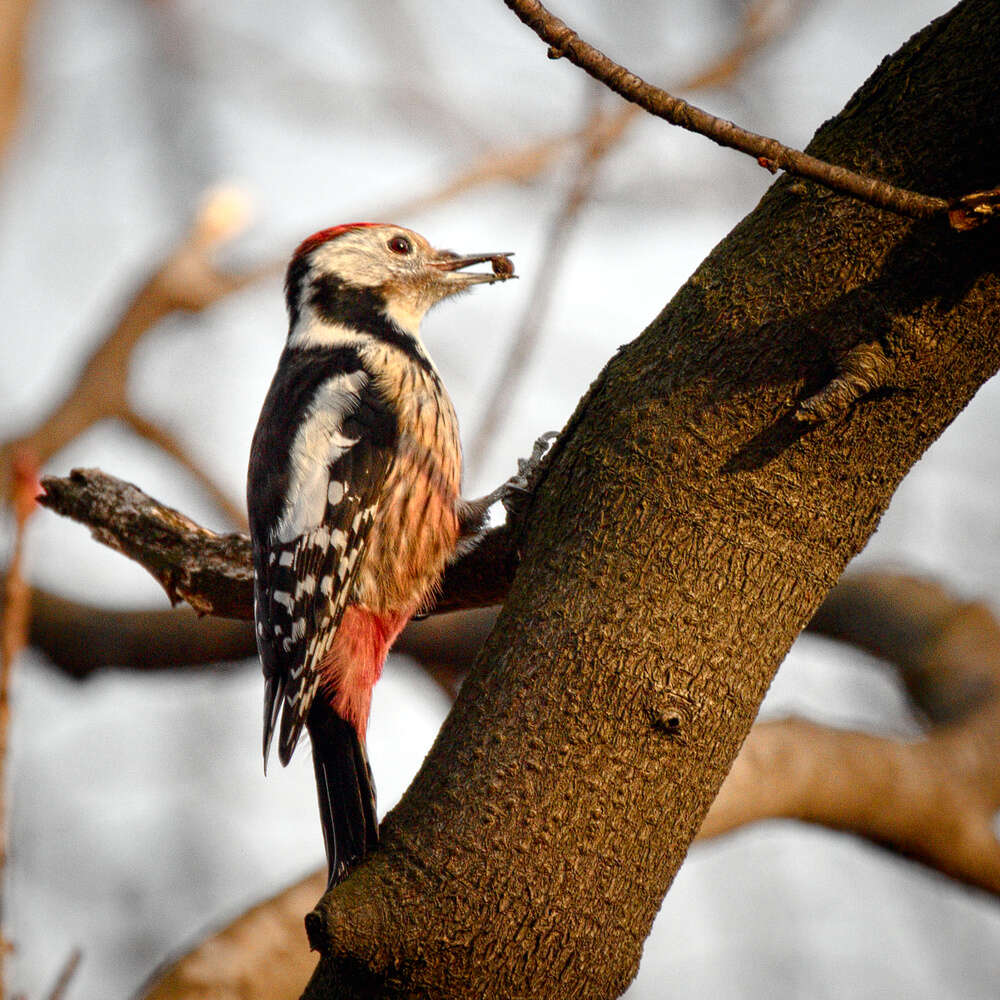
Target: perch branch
x,y
211,571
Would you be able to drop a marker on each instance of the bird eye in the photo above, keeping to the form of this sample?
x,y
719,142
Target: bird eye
x,y
400,245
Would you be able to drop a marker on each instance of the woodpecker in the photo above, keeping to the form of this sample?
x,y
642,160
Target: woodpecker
x,y
354,498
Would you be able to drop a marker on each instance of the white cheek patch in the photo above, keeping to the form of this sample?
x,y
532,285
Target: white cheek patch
x,y
407,313
313,331
320,441
355,254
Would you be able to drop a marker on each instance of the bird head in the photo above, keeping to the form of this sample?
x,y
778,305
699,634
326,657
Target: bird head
x,y
369,273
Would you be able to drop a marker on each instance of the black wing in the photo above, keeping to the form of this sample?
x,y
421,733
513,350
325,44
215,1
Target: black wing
x,y
314,487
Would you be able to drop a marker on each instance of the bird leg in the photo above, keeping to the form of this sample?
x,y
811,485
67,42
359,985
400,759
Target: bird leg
x,y
513,494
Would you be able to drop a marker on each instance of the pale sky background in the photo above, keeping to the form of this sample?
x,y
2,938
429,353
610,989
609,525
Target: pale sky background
x,y
140,812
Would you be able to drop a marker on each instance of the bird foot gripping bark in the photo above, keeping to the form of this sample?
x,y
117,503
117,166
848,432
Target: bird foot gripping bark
x,y
520,486
513,494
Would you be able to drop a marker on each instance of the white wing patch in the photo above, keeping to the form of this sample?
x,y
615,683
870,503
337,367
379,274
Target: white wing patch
x,y
320,441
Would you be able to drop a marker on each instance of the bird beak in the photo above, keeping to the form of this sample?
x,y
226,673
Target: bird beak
x,y
453,264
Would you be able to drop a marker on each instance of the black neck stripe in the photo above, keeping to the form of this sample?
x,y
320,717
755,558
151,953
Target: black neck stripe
x,y
362,309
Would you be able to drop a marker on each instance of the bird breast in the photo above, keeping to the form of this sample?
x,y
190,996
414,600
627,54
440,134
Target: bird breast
x,y
416,526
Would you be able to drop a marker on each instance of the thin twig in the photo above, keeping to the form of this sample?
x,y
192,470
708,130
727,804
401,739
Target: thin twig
x,y
525,341
563,41
167,443
66,975
187,280
598,137
13,638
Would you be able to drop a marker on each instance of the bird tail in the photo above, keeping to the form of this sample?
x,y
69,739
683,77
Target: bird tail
x,y
345,788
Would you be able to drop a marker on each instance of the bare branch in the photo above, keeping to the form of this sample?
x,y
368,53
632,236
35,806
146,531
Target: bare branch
x,y
14,18
79,638
13,636
168,444
564,42
526,338
598,137
947,650
66,974
212,572
933,801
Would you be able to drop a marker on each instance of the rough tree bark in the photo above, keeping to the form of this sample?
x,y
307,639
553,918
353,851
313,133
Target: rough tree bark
x,y
688,526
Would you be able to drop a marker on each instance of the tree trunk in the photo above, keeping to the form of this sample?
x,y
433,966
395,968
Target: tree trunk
x,y
688,526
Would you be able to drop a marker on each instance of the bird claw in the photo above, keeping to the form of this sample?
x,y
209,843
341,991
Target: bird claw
x,y
513,493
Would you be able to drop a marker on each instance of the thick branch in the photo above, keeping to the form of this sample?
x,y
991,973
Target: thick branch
x,y
933,801
80,638
947,650
891,792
